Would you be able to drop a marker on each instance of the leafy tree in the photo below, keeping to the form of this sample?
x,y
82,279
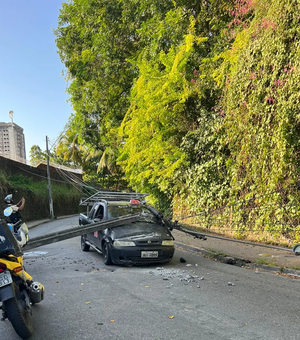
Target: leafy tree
x,y
36,154
106,46
94,43
156,122
71,149
172,98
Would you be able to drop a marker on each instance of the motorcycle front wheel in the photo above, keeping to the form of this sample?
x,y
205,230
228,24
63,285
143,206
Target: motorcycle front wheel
x,y
19,316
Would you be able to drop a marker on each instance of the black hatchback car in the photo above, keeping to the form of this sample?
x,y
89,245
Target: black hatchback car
x,y
141,242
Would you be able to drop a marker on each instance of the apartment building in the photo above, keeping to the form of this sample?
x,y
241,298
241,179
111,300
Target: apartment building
x,y
12,141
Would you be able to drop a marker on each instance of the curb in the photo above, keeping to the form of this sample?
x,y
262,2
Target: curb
x,y
237,261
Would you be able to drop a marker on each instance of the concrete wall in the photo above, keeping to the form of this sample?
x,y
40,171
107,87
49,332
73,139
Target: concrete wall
x,y
36,174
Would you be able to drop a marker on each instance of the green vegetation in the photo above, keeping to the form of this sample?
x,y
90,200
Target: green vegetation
x,y
265,262
195,102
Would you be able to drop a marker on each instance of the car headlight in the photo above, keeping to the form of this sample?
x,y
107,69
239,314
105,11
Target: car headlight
x,y
167,243
119,243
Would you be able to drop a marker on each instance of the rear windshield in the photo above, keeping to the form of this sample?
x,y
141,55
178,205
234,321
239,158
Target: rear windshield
x,y
122,210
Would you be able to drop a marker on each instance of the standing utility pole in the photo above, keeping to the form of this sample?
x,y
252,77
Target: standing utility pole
x,y
49,182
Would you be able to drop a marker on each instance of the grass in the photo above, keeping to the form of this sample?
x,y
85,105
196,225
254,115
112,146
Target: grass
x,y
39,188
265,262
218,253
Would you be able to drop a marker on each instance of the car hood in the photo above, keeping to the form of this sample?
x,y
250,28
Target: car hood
x,y
142,230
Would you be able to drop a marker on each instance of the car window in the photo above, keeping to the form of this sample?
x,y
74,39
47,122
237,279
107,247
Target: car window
x,y
99,212
90,214
122,210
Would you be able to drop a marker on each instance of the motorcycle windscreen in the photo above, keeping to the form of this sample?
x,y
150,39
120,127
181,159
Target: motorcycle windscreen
x,y
8,244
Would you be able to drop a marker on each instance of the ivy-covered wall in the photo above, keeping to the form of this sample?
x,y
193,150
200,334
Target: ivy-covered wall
x,y
255,177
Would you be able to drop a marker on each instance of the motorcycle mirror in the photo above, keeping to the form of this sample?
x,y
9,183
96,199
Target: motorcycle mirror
x,y
8,211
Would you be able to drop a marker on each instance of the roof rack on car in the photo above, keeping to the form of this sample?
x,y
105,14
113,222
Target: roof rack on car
x,y
112,196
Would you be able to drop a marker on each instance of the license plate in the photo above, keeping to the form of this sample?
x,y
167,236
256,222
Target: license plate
x,y
149,254
5,278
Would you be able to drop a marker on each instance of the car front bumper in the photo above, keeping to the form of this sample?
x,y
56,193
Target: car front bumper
x,y
133,255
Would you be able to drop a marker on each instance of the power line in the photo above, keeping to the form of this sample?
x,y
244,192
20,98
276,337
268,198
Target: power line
x,y
60,135
44,177
76,181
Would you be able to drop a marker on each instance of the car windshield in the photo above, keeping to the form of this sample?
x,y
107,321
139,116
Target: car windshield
x,y
122,210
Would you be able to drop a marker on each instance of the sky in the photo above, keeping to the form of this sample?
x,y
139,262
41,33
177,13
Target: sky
x,y
31,80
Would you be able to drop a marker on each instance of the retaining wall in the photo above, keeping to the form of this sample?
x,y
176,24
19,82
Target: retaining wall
x,y
37,207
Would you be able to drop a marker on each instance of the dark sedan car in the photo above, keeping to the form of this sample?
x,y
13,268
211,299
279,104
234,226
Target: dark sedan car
x,y
140,242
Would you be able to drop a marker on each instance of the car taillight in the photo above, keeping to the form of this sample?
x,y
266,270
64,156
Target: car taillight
x,y
2,267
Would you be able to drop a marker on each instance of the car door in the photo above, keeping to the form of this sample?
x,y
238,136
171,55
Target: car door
x,y
90,218
98,216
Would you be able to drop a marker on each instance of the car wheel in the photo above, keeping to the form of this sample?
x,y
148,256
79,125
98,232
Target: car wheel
x,y
106,254
84,246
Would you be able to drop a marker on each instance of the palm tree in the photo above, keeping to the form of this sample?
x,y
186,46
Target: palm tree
x,y
70,149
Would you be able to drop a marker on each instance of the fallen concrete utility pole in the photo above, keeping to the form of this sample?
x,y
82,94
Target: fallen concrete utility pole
x,y
78,231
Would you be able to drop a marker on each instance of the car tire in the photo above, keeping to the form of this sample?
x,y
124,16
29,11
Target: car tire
x,y
84,246
106,254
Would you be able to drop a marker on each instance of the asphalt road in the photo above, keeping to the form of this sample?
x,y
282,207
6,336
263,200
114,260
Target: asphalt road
x,y
199,299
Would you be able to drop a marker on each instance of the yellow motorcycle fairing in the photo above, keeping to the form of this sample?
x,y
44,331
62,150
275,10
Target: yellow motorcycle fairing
x,y
13,265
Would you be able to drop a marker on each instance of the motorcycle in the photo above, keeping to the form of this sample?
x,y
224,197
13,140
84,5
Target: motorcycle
x,y
18,291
